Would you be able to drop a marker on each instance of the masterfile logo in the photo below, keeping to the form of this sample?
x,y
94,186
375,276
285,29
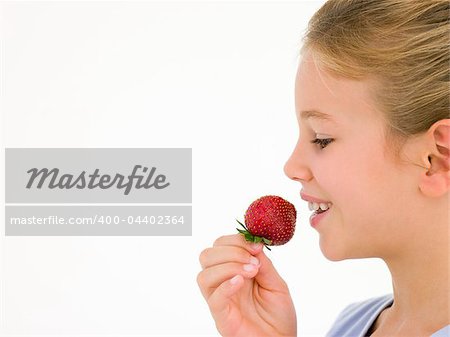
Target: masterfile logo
x,y
44,175
95,180
57,191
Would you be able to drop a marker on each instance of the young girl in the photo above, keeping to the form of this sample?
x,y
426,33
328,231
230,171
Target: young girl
x,y
372,100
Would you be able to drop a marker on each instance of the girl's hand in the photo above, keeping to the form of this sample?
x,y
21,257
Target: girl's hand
x,y
245,294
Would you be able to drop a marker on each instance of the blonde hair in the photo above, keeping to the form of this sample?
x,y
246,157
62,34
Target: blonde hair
x,y
403,44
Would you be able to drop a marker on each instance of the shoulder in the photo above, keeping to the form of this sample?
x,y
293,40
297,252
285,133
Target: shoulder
x,y
444,332
357,317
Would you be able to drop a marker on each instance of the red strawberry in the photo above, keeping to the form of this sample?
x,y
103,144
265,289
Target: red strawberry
x,y
269,219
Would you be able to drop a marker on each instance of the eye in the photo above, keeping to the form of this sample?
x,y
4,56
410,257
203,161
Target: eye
x,y
322,142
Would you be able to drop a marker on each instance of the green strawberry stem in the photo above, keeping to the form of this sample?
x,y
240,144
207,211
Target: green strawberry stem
x,y
253,238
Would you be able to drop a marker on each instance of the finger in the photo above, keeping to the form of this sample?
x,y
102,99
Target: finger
x,y
219,301
239,241
211,278
268,277
222,254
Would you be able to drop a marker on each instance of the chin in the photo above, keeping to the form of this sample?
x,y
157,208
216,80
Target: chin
x,y
337,251
332,252
334,257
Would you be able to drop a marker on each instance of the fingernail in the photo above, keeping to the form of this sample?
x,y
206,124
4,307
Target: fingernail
x,y
254,261
249,267
235,279
255,246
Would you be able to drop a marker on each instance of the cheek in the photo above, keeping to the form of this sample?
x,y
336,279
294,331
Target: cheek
x,y
354,179
363,188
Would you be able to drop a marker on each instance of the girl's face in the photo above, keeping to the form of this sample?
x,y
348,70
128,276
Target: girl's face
x,y
372,210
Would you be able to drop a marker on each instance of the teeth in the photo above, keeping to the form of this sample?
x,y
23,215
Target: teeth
x,y
314,206
323,206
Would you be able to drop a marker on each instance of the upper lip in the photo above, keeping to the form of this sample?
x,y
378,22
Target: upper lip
x,y
309,198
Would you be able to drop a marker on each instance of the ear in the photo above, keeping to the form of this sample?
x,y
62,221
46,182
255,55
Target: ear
x,y
435,182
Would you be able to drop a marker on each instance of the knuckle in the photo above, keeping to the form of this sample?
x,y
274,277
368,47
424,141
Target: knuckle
x,y
219,240
204,256
201,279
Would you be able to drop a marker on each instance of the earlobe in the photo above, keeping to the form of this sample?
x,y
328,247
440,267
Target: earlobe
x,y
435,181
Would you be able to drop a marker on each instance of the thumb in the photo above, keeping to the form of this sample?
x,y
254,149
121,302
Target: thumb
x,y
267,276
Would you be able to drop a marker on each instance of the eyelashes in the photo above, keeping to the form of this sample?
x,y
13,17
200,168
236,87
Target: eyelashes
x,y
322,142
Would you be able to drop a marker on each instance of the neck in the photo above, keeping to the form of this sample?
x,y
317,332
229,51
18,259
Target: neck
x,y
420,280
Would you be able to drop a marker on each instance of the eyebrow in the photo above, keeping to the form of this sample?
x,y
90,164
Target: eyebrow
x,y
307,114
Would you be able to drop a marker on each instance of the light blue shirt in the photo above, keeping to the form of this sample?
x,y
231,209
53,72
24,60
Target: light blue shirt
x,y
356,319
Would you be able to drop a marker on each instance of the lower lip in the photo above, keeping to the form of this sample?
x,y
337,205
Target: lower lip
x,y
315,218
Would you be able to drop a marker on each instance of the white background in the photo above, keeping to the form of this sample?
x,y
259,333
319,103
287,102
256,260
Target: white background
x,y
217,77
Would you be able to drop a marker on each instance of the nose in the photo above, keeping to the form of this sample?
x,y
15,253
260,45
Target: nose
x,y
295,167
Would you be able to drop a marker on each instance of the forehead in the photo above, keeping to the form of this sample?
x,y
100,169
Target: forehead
x,y
318,91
